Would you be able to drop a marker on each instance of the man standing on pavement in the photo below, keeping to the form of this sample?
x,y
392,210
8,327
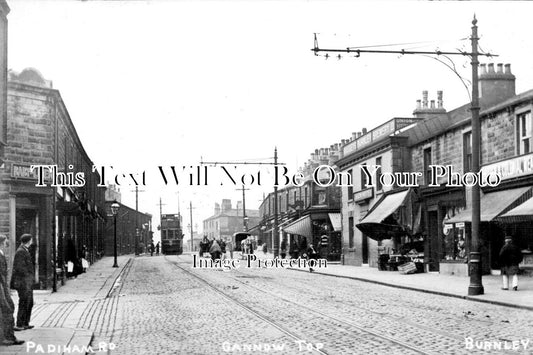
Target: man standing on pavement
x,y
22,280
510,257
6,302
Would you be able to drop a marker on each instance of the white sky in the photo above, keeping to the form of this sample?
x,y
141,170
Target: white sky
x,y
151,83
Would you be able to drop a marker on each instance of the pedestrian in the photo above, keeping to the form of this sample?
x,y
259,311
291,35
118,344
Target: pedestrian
x,y
311,255
7,307
215,250
283,248
152,248
157,249
265,248
22,280
229,247
222,248
510,257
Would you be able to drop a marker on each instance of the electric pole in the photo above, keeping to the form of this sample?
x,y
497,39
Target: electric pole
x,y
190,209
161,219
137,230
475,267
244,217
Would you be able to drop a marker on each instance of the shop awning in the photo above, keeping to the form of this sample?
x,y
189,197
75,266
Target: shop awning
x,y
492,205
522,213
301,226
335,219
372,225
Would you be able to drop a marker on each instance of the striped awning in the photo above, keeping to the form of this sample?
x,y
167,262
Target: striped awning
x,y
301,226
492,205
522,213
335,219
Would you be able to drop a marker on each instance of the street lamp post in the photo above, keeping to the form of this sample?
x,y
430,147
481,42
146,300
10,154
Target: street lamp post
x,y
114,209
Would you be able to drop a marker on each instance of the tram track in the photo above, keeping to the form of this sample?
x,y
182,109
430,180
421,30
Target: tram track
x,y
290,304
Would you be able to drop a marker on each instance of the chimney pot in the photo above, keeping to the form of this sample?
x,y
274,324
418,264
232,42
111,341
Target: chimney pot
x,y
439,99
507,68
500,68
491,68
483,69
425,98
364,130
432,103
355,135
418,104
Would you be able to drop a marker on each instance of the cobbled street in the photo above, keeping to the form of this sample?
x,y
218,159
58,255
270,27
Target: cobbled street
x,y
164,306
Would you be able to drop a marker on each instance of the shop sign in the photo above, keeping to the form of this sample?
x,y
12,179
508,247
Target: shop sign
x,y
363,195
24,172
511,168
324,240
460,225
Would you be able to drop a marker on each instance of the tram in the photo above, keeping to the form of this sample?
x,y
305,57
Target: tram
x,y
171,234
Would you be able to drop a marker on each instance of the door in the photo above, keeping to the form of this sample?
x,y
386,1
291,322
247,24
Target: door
x,y
365,249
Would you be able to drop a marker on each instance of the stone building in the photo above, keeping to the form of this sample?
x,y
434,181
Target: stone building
x,y
506,148
39,131
383,146
227,220
308,213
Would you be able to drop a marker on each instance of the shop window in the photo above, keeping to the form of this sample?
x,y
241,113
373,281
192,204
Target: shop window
x,y
379,186
427,163
467,152
350,186
350,232
455,244
524,132
363,179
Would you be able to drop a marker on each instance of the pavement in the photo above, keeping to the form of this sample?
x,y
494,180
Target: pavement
x,y
445,285
59,317
75,319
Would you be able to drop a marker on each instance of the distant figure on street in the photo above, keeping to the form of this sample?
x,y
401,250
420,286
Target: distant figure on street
x,y
510,257
22,280
157,249
152,247
215,250
229,247
222,245
265,248
311,255
7,307
283,249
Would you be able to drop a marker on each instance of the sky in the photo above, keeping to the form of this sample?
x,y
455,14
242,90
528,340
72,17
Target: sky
x,y
177,83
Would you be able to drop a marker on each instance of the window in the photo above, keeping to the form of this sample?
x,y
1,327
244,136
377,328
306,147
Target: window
x,y
379,186
524,132
467,152
427,163
350,232
350,186
363,179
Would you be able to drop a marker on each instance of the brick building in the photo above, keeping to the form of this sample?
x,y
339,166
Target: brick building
x,y
39,131
134,228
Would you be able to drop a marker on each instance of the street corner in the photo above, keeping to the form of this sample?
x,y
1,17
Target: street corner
x,y
54,341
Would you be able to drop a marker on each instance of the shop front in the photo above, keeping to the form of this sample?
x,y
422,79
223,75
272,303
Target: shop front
x,y
323,230
492,230
395,223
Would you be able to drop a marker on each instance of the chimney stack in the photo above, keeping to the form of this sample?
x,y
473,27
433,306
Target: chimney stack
x,y
424,99
496,86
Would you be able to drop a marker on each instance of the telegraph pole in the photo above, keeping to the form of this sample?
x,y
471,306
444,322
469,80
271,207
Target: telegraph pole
x,y
137,230
190,209
476,286
244,218
160,219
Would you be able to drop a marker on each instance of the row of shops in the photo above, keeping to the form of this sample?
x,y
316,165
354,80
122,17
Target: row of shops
x,y
68,223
